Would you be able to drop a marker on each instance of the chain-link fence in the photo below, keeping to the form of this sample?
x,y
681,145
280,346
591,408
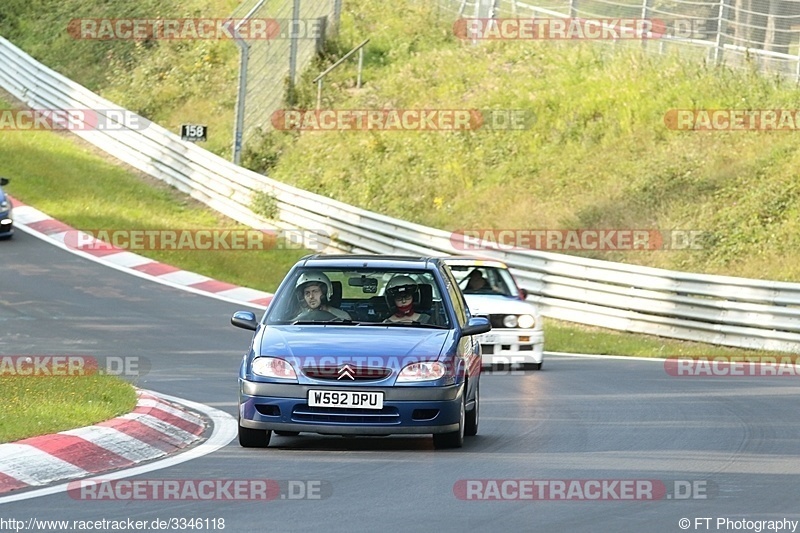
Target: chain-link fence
x,y
760,33
296,33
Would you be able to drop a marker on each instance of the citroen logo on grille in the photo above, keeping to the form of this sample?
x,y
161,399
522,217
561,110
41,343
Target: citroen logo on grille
x,y
346,371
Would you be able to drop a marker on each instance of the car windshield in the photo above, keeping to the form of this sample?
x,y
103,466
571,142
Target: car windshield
x,y
480,279
359,297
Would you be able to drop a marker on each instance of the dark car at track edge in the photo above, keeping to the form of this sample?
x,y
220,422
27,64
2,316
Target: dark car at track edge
x,y
6,212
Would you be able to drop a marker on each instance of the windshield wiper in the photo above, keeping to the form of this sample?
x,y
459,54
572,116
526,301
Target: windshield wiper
x,y
338,322
412,325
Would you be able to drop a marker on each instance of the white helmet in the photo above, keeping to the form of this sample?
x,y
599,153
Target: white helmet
x,y
401,285
313,277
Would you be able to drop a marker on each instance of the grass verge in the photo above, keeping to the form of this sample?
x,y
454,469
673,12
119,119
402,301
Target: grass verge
x,y
47,404
567,337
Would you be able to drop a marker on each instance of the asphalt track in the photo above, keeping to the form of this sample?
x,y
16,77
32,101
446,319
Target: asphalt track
x,y
736,438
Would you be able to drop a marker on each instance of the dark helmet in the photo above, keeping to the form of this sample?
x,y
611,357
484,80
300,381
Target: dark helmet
x,y
399,286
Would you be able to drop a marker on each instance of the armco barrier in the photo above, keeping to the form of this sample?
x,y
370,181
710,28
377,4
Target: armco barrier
x,y
715,309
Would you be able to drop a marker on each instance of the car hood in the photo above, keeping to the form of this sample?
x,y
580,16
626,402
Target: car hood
x,y
495,304
317,342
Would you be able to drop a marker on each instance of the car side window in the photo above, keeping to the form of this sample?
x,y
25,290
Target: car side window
x,y
456,297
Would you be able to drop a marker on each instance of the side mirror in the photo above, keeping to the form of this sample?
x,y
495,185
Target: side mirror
x,y
477,325
4,181
244,320
523,294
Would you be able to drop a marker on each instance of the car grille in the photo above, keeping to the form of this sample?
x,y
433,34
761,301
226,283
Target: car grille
x,y
304,413
358,373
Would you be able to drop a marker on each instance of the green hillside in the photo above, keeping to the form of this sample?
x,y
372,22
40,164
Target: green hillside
x,y
598,155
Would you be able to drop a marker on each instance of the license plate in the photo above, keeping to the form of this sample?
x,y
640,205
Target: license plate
x,y
489,339
349,399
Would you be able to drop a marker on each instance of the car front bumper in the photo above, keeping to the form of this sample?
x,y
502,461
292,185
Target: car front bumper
x,y
406,410
512,345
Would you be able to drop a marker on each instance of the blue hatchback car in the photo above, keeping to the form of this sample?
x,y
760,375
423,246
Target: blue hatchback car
x,y
362,345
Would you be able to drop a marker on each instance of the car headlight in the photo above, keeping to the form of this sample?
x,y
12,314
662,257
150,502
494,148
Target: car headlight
x,y
4,205
526,321
425,371
510,321
272,367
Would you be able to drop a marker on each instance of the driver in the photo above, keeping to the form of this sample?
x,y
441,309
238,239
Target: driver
x,y
313,289
476,283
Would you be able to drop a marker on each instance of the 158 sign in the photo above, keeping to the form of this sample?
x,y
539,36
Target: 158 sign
x,y
194,132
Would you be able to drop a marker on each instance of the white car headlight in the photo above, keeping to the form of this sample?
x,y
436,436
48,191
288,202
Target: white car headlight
x,y
425,371
526,321
272,367
510,321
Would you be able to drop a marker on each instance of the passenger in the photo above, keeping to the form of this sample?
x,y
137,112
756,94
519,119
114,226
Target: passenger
x,y
313,289
400,294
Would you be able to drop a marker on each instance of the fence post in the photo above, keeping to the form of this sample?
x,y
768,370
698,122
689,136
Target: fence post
x,y
720,31
337,13
645,9
318,79
797,70
238,134
244,59
293,44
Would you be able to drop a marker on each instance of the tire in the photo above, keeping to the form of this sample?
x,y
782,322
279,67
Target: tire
x,y
532,366
254,438
287,433
473,417
454,439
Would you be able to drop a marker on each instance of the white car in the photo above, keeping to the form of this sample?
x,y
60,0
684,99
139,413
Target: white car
x,y
517,334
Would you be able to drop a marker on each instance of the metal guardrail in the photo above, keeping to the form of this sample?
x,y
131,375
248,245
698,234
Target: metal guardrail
x,y
715,309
